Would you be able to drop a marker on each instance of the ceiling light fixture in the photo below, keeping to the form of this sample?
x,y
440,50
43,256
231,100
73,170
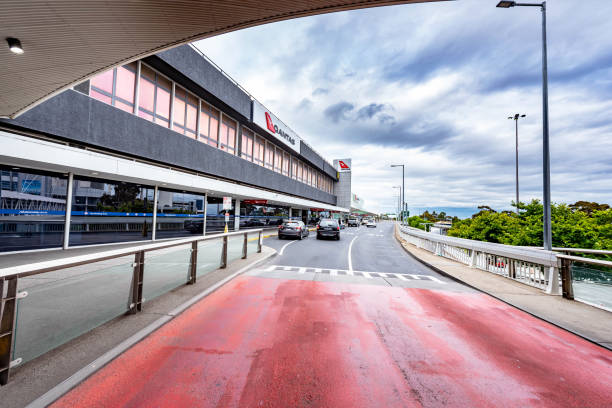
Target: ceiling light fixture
x,y
14,45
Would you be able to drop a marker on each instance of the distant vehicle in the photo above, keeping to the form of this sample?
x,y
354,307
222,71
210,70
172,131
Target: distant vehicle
x,y
353,222
328,228
371,224
294,229
364,221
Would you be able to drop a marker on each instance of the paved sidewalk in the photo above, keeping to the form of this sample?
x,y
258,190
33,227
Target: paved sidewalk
x,y
587,321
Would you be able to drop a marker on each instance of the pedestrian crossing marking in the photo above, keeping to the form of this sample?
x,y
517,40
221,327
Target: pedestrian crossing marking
x,y
344,272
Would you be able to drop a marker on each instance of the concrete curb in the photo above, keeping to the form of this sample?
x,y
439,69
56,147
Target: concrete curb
x,y
62,388
454,278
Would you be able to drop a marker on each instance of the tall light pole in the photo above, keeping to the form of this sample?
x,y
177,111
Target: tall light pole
x,y
516,118
547,231
403,189
399,198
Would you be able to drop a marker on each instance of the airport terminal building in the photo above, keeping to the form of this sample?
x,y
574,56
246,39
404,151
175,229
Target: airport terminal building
x,y
148,151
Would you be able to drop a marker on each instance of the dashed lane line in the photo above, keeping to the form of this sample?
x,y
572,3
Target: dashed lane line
x,y
343,272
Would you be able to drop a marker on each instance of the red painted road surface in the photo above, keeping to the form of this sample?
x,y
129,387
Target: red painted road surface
x,y
260,342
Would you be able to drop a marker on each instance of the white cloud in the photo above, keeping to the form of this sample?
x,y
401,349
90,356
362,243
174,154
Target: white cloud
x,y
447,75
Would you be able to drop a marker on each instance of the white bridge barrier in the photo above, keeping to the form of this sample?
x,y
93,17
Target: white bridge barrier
x,y
531,266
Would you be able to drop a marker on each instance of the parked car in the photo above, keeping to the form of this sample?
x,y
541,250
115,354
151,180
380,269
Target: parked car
x,y
371,224
353,222
294,229
328,229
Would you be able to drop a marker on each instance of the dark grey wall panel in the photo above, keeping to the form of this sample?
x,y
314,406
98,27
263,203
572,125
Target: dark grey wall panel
x,y
191,64
77,117
317,160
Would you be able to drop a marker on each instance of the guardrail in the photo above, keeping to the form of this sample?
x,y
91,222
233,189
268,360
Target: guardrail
x,y
10,295
551,271
533,267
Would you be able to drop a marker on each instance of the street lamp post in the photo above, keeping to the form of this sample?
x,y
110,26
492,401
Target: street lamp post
x,y
547,231
403,189
516,118
399,198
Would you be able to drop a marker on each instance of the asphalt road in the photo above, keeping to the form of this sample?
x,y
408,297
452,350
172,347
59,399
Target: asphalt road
x,y
351,323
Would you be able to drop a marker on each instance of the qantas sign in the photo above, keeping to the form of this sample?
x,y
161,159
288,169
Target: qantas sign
x,y
266,120
343,165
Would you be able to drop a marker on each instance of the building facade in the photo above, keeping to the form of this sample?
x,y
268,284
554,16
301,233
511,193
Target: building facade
x,y
147,151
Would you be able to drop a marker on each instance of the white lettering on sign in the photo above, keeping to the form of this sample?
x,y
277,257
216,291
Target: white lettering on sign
x,y
344,165
275,127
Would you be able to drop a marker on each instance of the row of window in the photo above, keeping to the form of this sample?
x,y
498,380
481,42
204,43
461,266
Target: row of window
x,y
153,97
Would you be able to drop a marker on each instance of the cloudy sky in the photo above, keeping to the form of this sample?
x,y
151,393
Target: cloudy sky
x,y
431,86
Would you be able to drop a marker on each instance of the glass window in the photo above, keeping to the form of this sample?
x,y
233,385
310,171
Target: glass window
x,y
294,168
154,96
286,164
278,160
191,117
163,92
104,82
270,156
259,151
32,209
179,214
178,113
246,150
116,87
261,216
300,171
209,119
227,138
105,211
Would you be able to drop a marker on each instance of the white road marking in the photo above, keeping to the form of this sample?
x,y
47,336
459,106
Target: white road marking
x,y
367,275
350,261
285,246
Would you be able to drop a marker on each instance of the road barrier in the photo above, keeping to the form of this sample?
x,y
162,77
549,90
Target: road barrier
x,y
550,271
82,292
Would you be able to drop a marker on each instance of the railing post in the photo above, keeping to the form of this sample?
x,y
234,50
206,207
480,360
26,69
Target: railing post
x,y
224,253
473,260
137,277
552,287
567,279
193,263
244,246
8,307
259,238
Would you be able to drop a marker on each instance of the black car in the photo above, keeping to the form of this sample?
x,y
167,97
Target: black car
x,y
328,229
294,229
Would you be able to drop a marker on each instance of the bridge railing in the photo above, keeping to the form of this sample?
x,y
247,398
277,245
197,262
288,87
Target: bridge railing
x,y
551,271
531,266
45,304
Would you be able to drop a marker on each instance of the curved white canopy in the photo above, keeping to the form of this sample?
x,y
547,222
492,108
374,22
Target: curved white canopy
x,y
68,41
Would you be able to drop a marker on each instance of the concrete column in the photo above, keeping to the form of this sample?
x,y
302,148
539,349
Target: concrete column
x,y
237,216
290,212
68,211
154,226
205,213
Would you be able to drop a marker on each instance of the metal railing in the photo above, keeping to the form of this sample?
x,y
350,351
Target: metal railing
x,y
9,278
551,271
533,267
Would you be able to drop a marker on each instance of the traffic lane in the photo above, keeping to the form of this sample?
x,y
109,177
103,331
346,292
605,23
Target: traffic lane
x,y
376,249
289,343
316,253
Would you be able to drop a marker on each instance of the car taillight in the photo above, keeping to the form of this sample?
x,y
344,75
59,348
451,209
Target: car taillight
x,y
317,227
338,228
280,227
299,228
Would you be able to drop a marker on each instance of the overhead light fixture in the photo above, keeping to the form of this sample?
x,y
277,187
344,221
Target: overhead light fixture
x,y
506,4
14,45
